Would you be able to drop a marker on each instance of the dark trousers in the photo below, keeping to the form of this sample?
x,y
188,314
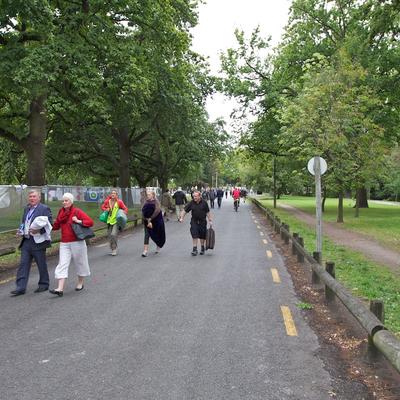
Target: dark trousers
x,y
212,203
219,200
146,235
31,251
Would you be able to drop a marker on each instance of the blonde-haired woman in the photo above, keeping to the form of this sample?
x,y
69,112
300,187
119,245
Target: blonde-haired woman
x,y
112,204
153,223
71,248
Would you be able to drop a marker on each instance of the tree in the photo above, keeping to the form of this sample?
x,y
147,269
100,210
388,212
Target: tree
x,y
27,59
331,117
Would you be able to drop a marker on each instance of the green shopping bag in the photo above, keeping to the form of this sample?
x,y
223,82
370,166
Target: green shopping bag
x,y
104,216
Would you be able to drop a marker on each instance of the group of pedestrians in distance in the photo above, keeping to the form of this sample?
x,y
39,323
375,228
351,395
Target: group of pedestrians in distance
x,y
37,225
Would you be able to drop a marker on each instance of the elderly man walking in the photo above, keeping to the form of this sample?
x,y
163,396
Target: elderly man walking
x,y
35,233
198,224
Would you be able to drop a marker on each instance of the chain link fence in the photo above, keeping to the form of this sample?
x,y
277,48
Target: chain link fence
x,y
14,198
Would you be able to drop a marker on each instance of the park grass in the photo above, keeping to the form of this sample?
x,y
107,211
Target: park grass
x,y
380,222
366,279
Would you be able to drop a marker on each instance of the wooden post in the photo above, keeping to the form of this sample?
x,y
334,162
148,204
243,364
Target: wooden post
x,y
300,255
282,231
377,308
277,225
288,234
314,277
294,239
330,269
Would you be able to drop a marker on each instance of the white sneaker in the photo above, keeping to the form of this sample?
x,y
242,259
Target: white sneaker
x,y
114,252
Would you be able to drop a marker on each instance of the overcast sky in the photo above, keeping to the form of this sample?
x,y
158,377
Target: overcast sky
x,y
215,33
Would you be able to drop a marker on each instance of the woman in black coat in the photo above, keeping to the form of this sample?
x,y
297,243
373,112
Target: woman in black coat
x,y
153,223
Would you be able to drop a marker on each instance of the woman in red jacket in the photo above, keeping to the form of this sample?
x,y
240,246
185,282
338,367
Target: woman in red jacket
x,y
112,204
70,247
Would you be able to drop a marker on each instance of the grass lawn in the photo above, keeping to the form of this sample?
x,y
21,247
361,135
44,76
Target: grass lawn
x,y
364,278
379,221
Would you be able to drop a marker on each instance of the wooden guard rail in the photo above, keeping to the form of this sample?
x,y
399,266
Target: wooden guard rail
x,y
384,340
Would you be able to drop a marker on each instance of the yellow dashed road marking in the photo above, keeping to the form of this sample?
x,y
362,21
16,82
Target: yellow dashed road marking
x,y
269,254
258,226
275,275
255,221
288,320
265,241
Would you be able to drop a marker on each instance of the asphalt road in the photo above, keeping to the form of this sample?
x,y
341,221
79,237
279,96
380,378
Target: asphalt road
x,y
170,326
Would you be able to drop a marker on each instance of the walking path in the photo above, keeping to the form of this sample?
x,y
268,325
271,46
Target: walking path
x,y
353,240
223,326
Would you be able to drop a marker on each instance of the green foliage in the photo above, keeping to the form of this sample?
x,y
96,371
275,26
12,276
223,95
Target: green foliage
x,y
304,306
122,93
330,88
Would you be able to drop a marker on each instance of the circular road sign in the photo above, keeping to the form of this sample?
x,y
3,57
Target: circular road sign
x,y
322,163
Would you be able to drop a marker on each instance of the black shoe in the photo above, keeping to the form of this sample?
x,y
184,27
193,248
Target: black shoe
x,y
194,253
202,252
59,293
78,289
40,289
15,293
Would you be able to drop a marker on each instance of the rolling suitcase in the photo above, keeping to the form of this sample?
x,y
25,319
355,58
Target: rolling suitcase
x,y
210,238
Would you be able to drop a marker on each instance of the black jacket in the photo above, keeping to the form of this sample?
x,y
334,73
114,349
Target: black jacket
x,y
179,197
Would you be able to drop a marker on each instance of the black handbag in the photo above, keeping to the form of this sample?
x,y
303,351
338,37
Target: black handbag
x,y
82,232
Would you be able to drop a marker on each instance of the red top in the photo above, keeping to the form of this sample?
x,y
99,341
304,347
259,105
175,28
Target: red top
x,y
64,221
106,205
236,194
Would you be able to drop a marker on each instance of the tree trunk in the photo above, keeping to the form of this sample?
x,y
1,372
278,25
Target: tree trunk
x,y
34,143
323,201
362,198
163,182
124,165
340,208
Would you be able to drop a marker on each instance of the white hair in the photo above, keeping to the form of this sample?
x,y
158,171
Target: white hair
x,y
68,196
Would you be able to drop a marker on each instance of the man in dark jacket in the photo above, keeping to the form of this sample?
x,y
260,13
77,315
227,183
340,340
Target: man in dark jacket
x,y
212,195
220,195
198,224
180,200
33,245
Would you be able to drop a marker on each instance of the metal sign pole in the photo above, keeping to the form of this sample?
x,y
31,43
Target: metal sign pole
x,y
317,170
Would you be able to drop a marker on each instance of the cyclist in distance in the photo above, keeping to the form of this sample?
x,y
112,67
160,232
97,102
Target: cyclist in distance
x,y
236,198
